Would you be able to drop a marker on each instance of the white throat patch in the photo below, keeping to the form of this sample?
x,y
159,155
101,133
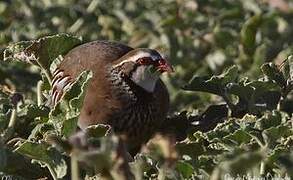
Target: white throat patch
x,y
143,77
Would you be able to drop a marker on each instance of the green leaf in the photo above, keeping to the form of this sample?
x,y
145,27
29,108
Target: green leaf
x,y
185,169
269,119
46,86
69,126
274,133
4,120
77,93
286,160
97,131
210,118
240,90
192,149
45,154
273,73
276,153
67,116
230,75
43,51
16,164
240,165
239,136
215,84
260,87
255,96
202,84
37,132
223,37
288,68
248,33
32,111
3,159
222,130
254,88
13,49
13,177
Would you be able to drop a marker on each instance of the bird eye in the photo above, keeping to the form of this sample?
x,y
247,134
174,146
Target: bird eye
x,y
144,61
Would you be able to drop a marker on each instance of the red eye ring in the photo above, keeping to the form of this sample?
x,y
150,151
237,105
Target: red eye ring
x,y
144,61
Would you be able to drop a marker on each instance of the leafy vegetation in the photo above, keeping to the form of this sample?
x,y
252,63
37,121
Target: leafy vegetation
x,y
231,94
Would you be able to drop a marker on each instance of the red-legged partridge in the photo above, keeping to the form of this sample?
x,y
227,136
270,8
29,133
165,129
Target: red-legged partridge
x,y
125,91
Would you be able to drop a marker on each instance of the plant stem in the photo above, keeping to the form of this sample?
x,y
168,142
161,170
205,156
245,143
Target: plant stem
x,y
229,103
52,172
47,74
285,91
262,168
10,128
12,120
45,71
74,167
39,93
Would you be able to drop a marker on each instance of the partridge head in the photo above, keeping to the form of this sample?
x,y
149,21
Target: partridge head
x,y
144,67
125,92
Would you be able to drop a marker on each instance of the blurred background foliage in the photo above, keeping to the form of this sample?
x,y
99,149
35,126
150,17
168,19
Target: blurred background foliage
x,y
200,37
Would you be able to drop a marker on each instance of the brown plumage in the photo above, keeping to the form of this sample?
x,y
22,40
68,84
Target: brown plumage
x,y
121,92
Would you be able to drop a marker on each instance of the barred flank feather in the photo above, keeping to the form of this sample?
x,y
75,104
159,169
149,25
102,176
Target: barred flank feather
x,y
60,84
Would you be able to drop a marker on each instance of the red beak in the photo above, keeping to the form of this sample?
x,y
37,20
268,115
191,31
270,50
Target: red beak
x,y
164,66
